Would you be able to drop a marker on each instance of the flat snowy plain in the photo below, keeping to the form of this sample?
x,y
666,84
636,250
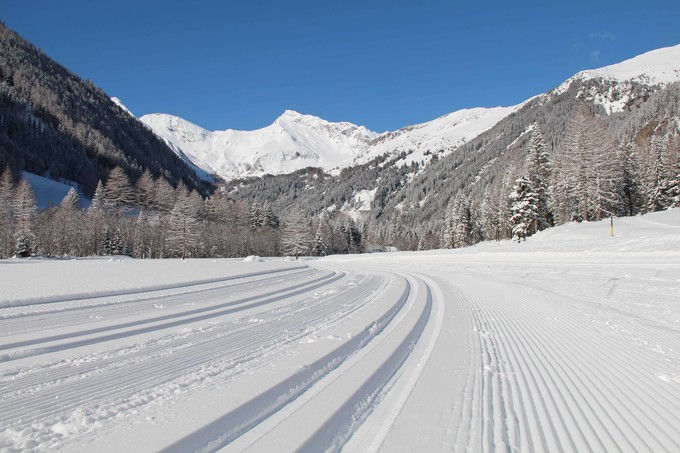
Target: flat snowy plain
x,y
567,342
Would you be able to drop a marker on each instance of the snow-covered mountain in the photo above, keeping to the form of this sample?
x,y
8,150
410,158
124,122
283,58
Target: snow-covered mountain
x,y
294,141
291,142
617,86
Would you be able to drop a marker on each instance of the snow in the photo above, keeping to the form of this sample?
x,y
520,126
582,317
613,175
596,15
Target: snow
x,y
657,67
48,192
295,141
567,341
119,103
441,136
292,142
359,204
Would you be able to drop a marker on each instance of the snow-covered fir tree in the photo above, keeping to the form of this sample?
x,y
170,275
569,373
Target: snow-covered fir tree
x,y
538,173
26,210
525,209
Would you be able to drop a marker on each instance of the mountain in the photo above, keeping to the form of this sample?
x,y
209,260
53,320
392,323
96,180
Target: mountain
x,y
295,141
55,124
399,201
291,142
618,86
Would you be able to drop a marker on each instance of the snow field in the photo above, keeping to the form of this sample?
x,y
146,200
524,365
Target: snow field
x,y
566,342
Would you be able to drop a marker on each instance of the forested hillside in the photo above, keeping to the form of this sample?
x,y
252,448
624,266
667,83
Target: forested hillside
x,y
628,164
594,147
55,124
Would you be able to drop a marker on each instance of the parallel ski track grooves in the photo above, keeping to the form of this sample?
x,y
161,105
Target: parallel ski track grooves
x,y
233,424
246,344
567,377
63,372
339,427
186,317
76,297
43,317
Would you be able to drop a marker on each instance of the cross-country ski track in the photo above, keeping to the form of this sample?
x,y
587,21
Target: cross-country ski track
x,y
487,350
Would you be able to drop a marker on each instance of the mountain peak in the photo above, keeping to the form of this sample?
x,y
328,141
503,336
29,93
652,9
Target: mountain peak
x,y
656,67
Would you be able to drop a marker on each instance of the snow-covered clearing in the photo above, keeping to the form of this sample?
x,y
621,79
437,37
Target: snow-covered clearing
x,y
569,341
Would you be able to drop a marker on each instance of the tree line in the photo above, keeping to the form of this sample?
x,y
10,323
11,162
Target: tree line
x,y
153,219
590,176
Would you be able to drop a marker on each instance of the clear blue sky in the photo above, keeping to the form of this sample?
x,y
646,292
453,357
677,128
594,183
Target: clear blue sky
x,y
383,64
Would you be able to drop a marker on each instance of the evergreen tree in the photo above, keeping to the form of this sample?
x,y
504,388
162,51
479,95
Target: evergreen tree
x,y
631,186
449,234
255,216
26,210
587,176
525,209
538,172
183,233
6,213
145,189
99,202
118,191
107,242
320,246
164,196
462,221
295,234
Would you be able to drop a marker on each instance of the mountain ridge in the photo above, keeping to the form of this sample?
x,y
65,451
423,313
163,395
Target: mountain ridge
x,y
295,140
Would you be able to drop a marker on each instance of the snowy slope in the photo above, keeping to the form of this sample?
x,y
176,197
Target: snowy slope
x,y
618,85
120,104
657,67
295,141
440,136
292,142
566,342
49,193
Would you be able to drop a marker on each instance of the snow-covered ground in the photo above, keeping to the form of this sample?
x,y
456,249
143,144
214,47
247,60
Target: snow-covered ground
x,y
569,341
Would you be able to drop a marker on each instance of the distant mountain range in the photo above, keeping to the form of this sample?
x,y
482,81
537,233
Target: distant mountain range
x,y
295,141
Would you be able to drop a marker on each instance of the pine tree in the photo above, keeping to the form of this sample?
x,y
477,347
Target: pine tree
x,y
107,241
462,221
26,210
164,196
490,215
6,213
673,186
633,196
448,236
295,234
118,191
587,176
99,202
538,172
145,189
255,217
320,246
68,226
183,231
525,209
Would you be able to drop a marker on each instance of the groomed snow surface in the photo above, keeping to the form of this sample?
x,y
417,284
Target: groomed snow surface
x,y
567,342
